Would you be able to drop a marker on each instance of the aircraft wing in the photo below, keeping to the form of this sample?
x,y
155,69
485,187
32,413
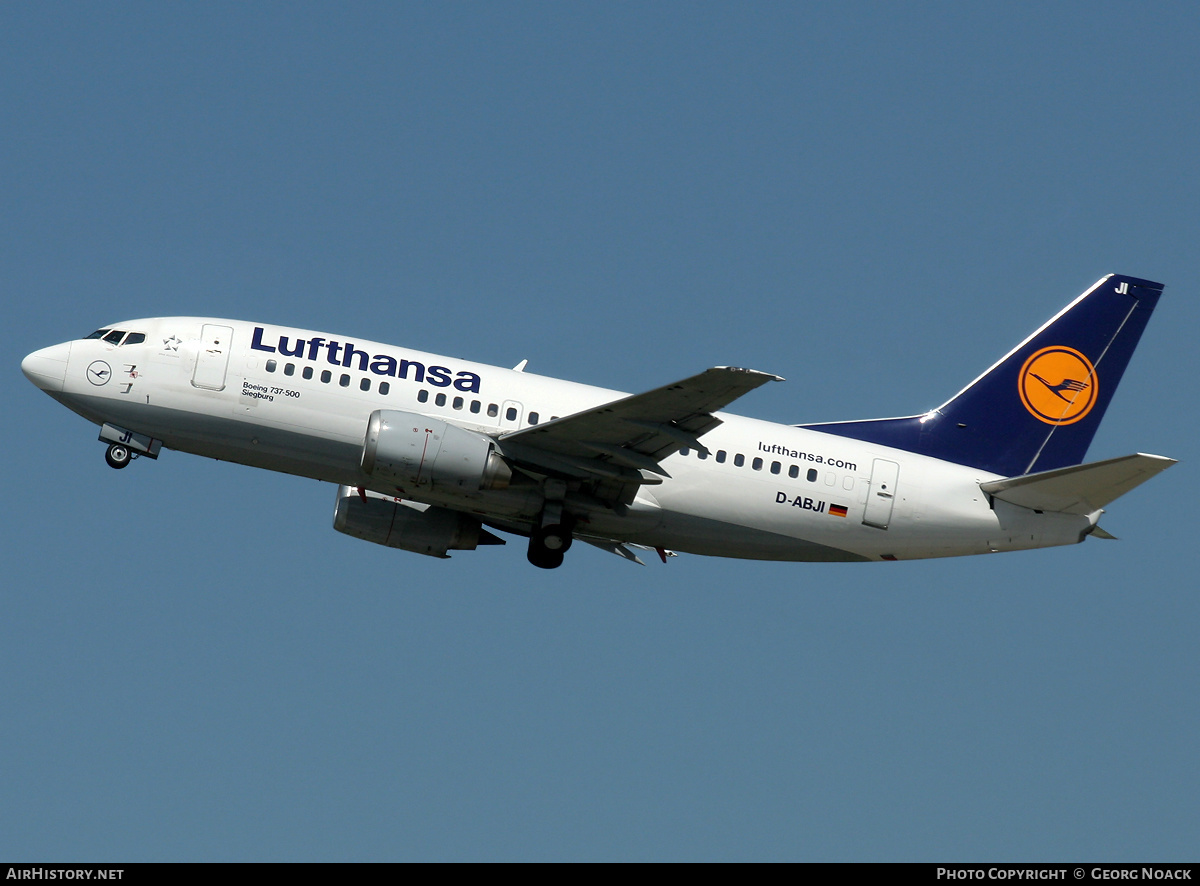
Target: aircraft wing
x,y
625,440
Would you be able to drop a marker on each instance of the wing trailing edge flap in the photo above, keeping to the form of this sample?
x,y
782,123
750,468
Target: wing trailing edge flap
x,y
626,439
1081,489
622,549
614,547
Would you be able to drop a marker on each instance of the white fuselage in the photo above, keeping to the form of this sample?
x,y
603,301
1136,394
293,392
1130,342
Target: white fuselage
x,y
764,491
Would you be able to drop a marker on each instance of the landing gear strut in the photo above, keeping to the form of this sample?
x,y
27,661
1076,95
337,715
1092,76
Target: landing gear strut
x,y
118,455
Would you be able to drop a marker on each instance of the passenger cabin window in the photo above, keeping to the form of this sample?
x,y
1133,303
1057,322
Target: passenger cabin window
x,y
533,418
364,384
493,410
423,396
776,467
344,381
271,365
720,456
289,368
458,403
384,387
440,400
307,373
511,413
757,464
739,460
475,406
811,475
326,376
794,471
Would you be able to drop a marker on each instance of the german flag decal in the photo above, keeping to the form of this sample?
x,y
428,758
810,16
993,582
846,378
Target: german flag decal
x,y
837,510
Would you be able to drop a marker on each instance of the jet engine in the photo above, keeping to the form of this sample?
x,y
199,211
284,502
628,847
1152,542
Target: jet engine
x,y
413,451
407,525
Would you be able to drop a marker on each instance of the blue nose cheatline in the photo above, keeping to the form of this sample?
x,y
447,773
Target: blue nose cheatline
x,y
47,368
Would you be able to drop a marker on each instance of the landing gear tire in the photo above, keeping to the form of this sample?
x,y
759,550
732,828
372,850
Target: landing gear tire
x,y
548,545
544,559
118,455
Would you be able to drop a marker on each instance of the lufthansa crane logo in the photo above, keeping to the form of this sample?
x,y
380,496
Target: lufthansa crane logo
x,y
1058,385
98,373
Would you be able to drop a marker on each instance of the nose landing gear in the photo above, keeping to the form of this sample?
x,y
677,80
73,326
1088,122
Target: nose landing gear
x,y
118,455
124,446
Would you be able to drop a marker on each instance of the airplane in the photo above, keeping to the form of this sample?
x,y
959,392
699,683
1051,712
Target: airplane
x,y
431,453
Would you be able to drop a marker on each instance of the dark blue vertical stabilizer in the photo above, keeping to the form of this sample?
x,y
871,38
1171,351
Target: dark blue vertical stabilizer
x,y
1039,407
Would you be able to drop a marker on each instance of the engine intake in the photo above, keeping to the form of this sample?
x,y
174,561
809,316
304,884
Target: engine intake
x,y
414,452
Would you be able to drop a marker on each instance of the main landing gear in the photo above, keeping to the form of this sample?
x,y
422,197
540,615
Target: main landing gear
x,y
551,538
548,544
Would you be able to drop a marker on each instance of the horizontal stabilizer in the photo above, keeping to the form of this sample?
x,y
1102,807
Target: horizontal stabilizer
x,y
1081,489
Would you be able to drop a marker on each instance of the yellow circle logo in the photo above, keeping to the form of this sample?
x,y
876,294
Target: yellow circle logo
x,y
1058,385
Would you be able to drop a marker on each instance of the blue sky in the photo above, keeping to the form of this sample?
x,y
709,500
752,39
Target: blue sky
x,y
874,200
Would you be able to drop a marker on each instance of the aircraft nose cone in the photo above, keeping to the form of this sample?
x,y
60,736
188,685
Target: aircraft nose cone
x,y
47,368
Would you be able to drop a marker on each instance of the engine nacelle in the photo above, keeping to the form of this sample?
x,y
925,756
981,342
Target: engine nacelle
x,y
414,452
407,525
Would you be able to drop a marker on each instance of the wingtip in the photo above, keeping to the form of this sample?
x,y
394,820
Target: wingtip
x,y
1169,461
766,376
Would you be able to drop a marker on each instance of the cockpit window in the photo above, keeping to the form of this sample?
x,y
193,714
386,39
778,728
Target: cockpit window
x,y
114,336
